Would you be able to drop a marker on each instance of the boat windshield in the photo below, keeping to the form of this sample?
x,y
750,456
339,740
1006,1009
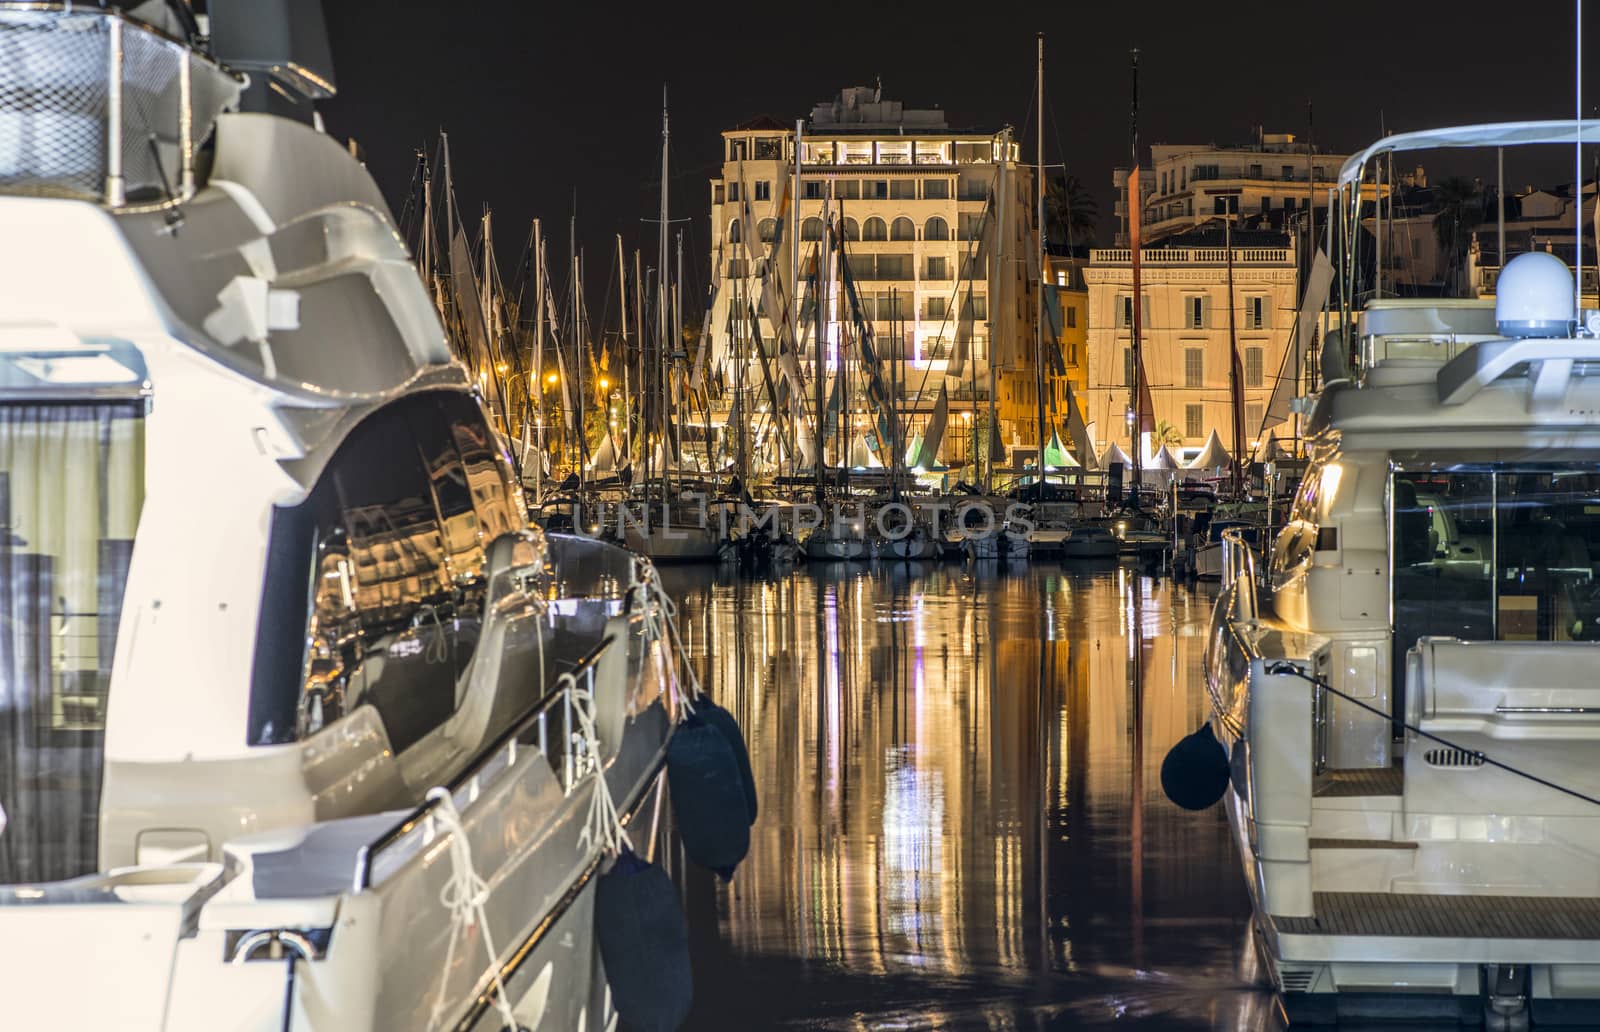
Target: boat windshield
x,y
71,487
1497,552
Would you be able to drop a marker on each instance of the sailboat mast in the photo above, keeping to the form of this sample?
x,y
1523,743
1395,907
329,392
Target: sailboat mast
x,y
661,285
795,294
644,382
537,384
821,370
679,402
622,307
1002,234
1135,217
1038,321
1235,387
426,245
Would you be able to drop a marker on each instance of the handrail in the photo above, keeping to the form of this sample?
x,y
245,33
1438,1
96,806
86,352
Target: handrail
x,y
1239,573
505,741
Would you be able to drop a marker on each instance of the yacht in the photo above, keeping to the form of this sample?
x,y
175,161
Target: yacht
x,y
1404,695
305,726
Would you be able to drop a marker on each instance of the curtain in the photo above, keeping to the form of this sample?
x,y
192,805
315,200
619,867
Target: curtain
x,y
71,486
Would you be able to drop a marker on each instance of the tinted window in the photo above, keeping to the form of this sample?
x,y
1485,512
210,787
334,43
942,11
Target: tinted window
x,y
374,584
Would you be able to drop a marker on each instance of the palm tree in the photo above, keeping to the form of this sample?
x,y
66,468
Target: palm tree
x,y
1165,434
1460,204
1071,213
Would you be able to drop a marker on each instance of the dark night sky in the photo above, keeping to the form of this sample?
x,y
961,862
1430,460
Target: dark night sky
x,y
540,98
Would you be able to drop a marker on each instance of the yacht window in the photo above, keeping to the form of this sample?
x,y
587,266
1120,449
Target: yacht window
x,y
71,489
373,582
1501,553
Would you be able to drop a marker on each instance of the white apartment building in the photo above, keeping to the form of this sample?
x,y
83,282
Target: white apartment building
x,y
912,194
1186,184
1185,333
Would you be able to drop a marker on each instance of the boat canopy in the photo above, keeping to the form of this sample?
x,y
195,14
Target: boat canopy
x,y
1494,134
1212,456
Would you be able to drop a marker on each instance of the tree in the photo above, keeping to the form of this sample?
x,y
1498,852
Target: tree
x,y
1460,203
1071,214
1165,434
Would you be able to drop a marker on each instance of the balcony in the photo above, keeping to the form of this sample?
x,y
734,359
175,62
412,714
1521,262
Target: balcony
x,y
98,107
1191,256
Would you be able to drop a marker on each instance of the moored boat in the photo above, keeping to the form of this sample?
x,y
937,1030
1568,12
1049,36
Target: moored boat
x,y
294,685
1409,737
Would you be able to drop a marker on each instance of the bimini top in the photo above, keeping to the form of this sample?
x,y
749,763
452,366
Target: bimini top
x,y
1494,134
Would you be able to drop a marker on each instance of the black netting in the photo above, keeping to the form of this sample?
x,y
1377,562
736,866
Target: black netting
x,y
55,77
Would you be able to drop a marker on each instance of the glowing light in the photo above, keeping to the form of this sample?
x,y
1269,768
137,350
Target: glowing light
x,y
605,384
552,379
501,367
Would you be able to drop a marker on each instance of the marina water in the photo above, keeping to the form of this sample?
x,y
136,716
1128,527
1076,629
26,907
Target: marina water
x,y
962,824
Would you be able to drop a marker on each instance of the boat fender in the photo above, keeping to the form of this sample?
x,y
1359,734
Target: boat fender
x,y
1194,774
725,722
707,796
644,945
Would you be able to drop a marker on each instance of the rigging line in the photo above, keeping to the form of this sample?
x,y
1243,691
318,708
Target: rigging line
x,y
1286,667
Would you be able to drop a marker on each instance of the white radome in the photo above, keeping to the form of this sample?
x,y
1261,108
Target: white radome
x,y
1533,297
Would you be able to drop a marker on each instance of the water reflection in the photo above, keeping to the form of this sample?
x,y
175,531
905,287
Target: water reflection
x,y
962,824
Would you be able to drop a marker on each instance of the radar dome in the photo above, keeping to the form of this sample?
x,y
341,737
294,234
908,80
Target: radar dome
x,y
1533,297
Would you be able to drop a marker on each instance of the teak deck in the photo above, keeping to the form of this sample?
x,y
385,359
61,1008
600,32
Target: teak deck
x,y
1432,916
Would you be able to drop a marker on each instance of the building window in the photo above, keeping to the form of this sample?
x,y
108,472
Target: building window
x,y
852,229
974,266
1194,313
767,230
1266,204
1256,313
1127,367
969,225
1163,182
1183,178
936,228
733,191
938,268
936,189
1255,171
1206,172
1288,204
878,190
903,189
763,190
811,229
975,306
1252,367
1253,417
902,228
1124,311
1194,367
717,194
812,190
769,148
733,232
735,150
1072,318
936,308
1194,421
874,229
1288,173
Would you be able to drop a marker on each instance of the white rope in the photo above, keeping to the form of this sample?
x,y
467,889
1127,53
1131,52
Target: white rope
x,y
661,623
603,827
464,895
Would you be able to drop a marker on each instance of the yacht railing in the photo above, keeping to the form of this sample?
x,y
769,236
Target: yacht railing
x,y
98,106
1239,573
493,760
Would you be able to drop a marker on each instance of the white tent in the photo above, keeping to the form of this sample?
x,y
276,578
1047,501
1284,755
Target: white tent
x,y
1114,453
1056,455
1213,456
1274,451
1162,467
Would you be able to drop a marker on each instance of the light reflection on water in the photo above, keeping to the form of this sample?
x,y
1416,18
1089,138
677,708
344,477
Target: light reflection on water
x,y
960,827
